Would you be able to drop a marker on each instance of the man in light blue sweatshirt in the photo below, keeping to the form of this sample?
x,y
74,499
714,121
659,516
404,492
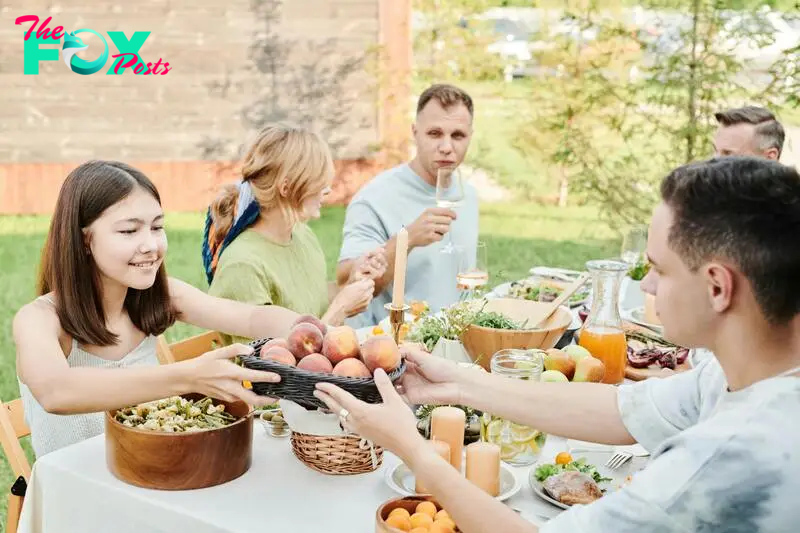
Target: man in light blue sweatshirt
x,y
405,196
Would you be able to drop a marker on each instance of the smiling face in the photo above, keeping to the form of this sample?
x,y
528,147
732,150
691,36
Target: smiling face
x,y
128,242
442,137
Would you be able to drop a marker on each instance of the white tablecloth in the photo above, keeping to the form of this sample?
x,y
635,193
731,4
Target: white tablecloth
x,y
71,490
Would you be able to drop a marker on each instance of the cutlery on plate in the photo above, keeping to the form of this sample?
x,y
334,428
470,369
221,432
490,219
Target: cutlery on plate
x,y
618,460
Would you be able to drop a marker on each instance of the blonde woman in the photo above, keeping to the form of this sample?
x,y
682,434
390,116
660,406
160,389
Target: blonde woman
x,y
258,247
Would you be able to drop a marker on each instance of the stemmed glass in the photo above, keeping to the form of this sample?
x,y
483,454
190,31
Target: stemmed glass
x,y
472,275
449,194
634,245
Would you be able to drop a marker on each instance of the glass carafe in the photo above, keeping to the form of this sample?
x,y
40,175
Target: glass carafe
x,y
602,333
519,444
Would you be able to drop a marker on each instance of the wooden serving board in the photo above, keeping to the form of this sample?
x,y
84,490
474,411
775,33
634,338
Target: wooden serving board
x,y
653,371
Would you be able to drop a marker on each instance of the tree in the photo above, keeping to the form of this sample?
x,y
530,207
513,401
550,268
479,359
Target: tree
x,y
638,100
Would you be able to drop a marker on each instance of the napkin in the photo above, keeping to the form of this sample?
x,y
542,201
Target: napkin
x,y
637,450
316,422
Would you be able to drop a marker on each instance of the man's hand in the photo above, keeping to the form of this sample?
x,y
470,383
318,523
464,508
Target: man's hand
x,y
431,226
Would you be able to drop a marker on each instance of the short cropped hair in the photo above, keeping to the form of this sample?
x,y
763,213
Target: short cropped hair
x,y
446,95
770,132
745,210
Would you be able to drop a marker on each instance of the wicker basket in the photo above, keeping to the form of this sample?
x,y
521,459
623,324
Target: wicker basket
x,y
337,455
298,385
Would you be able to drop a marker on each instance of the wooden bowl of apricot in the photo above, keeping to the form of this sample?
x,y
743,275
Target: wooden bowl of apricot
x,y
414,514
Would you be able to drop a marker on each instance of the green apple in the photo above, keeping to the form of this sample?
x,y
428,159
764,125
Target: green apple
x,y
554,376
577,352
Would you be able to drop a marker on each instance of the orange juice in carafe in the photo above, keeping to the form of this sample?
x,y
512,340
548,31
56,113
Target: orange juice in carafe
x,y
602,333
611,347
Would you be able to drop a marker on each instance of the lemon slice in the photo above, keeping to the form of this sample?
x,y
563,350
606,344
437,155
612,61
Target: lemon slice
x,y
523,434
494,430
509,451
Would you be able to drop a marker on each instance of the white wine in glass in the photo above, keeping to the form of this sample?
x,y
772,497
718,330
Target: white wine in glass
x,y
471,276
449,194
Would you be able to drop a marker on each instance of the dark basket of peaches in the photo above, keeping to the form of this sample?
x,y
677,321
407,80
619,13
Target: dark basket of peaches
x,y
314,352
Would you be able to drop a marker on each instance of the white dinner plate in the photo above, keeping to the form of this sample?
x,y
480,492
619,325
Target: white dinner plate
x,y
598,458
401,480
637,316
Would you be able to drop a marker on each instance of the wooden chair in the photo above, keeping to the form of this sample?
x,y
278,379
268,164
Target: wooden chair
x,y
13,428
188,348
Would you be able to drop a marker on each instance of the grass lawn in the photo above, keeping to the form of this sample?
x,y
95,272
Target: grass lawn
x,y
518,236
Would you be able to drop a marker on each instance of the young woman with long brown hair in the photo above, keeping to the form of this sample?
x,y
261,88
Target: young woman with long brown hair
x,y
87,344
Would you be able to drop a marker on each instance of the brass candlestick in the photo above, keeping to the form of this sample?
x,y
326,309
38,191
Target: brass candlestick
x,y
397,317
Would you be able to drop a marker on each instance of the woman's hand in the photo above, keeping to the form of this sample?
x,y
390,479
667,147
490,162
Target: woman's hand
x,y
372,265
355,297
215,375
429,379
390,424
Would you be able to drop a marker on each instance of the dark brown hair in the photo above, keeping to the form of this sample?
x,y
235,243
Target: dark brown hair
x,y
745,210
769,131
446,95
70,272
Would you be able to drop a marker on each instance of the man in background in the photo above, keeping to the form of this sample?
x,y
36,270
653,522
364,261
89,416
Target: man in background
x,y
405,196
749,130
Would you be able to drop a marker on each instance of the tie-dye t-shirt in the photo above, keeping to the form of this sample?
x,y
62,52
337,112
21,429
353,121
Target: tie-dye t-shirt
x,y
720,461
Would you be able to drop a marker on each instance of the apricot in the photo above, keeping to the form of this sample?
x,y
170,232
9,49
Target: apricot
x,y
352,368
403,523
446,522
401,511
441,527
419,530
311,319
428,508
340,343
277,353
304,339
380,351
561,361
421,520
316,362
441,514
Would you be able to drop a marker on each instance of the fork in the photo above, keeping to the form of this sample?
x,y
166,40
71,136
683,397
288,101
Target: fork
x,y
618,459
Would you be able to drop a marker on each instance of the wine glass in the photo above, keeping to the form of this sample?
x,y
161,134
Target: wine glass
x,y
473,272
449,194
634,245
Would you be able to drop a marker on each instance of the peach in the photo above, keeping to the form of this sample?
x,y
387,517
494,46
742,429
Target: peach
x,y
589,369
311,319
305,339
276,342
280,354
380,351
316,362
352,368
340,343
561,361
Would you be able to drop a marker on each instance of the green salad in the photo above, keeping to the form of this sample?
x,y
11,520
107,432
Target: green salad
x,y
545,471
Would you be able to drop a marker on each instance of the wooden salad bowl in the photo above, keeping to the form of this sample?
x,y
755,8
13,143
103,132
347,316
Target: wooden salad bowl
x,y
180,461
482,343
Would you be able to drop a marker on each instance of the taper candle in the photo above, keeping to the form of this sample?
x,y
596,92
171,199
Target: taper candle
x,y
400,261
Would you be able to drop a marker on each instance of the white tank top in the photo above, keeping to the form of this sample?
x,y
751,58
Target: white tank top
x,y
49,431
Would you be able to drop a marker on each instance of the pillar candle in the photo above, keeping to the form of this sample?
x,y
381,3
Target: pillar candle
x,y
483,466
447,424
400,260
442,450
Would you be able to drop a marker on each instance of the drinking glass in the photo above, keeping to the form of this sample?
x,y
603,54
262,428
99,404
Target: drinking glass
x,y
449,194
634,246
